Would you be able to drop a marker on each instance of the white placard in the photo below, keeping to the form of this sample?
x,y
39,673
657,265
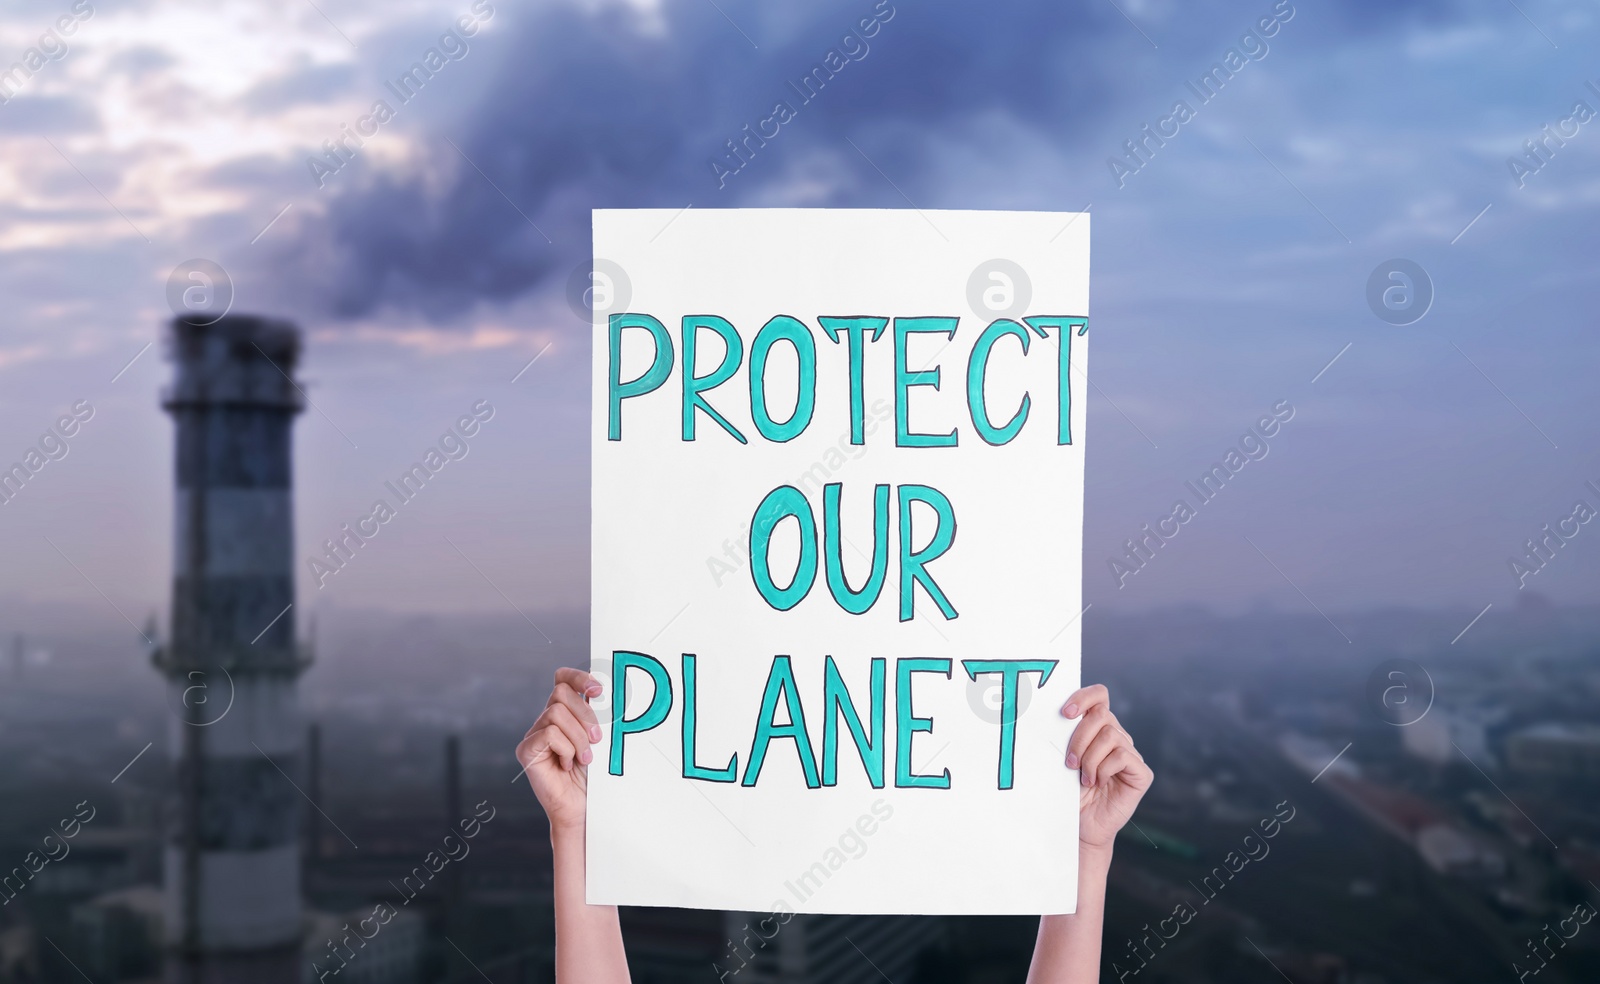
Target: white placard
x,y
817,470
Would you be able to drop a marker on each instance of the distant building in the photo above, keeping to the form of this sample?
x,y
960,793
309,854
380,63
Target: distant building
x,y
1564,750
1426,827
1449,851
831,948
1312,756
1398,811
392,954
863,949
1436,736
101,860
19,954
118,934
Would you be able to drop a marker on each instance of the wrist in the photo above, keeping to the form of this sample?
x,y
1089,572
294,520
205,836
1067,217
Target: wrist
x,y
1094,870
565,833
1094,858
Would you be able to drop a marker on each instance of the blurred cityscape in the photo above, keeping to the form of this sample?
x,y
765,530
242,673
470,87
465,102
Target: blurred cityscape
x,y
1373,212
1447,849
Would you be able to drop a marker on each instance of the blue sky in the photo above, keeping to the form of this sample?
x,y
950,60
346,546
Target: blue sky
x,y
1228,271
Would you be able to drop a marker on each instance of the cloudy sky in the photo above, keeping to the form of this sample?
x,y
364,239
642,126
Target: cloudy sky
x,y
1230,267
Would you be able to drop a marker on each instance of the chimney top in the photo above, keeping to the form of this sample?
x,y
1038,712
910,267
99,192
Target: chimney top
x,y
238,359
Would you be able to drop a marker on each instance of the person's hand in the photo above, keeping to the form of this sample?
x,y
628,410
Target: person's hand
x,y
555,752
1113,774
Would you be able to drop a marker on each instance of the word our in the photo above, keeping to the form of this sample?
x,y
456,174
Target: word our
x,y
1253,446
52,446
452,446
838,706
788,502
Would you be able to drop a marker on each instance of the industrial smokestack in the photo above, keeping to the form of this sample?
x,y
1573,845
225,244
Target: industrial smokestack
x,y
313,850
452,780
452,811
232,865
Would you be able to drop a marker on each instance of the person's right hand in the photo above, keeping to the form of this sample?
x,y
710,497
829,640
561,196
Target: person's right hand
x,y
555,752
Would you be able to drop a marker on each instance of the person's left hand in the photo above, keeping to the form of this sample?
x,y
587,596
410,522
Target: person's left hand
x,y
555,753
1113,774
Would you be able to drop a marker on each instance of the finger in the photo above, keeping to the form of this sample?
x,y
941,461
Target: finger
x,y
1081,701
1106,741
561,747
577,733
1093,721
573,701
539,723
1124,765
547,742
568,681
581,682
